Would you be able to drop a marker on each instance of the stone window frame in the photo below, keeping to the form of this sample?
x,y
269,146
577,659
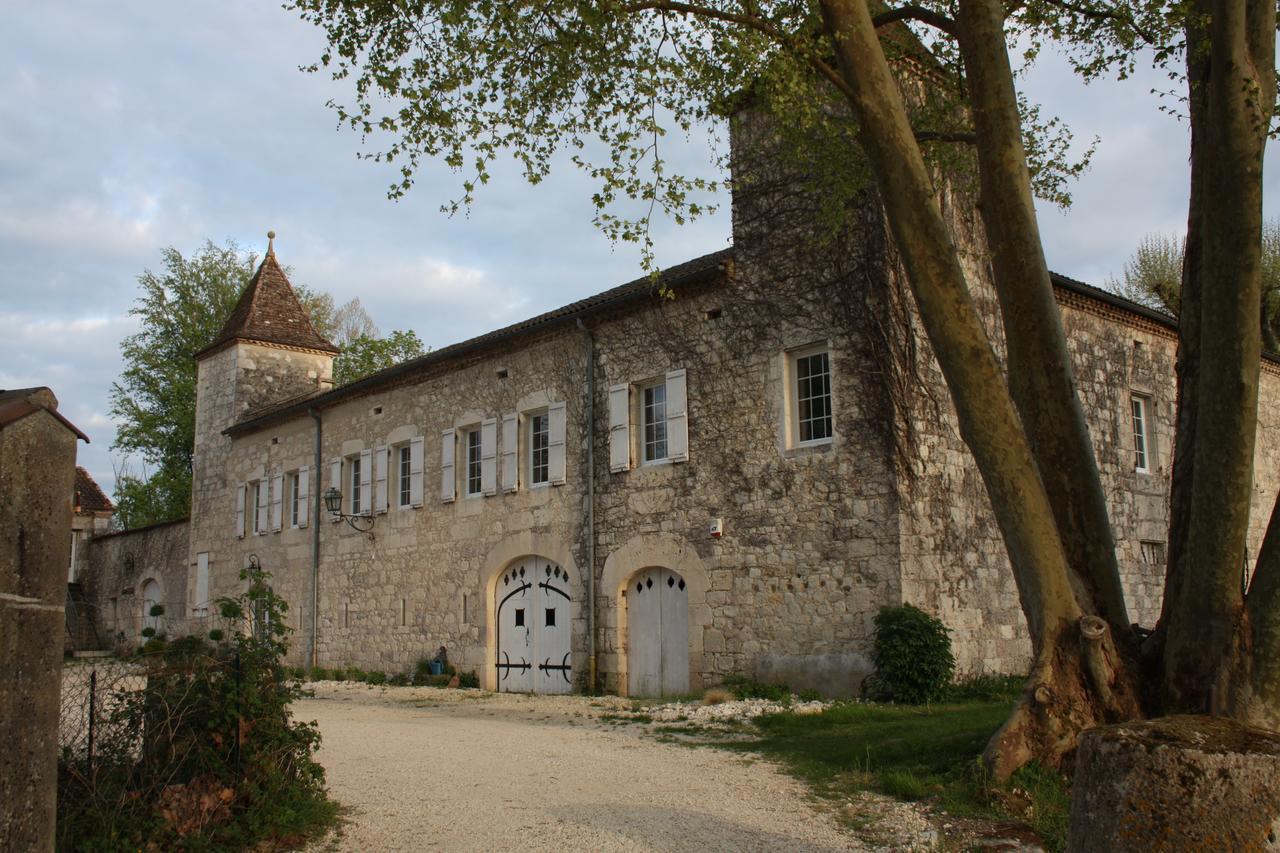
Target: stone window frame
x,y
402,465
530,455
1142,436
356,504
471,470
791,396
641,419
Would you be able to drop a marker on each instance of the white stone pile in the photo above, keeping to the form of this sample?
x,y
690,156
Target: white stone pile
x,y
723,712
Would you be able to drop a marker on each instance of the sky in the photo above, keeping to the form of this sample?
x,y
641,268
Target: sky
x,y
126,128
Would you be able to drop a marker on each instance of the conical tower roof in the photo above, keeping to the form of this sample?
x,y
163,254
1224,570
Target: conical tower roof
x,y
268,311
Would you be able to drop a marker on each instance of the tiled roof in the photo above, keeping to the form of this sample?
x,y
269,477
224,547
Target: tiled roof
x,y
16,404
89,496
692,272
269,311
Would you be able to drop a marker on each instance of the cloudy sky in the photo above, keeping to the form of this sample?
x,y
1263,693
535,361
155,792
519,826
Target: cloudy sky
x,y
129,127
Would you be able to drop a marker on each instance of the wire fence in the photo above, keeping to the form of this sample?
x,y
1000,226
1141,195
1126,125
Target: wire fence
x,y
148,730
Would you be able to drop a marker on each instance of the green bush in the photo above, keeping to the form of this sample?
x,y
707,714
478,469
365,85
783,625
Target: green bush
x,y
375,678
400,679
205,755
912,656
468,679
746,687
809,694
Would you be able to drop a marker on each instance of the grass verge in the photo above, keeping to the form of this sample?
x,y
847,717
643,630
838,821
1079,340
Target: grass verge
x,y
914,753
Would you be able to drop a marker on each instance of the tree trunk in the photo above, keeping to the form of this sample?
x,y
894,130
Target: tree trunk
x,y
1205,636
1057,704
1040,374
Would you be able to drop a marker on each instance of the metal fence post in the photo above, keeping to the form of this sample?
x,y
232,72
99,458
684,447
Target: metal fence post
x,y
93,697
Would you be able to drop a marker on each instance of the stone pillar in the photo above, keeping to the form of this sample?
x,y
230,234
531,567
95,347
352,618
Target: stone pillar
x,y
1176,783
37,480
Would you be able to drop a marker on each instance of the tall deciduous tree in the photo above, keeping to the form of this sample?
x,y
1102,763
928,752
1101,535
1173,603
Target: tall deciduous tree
x,y
365,355
467,81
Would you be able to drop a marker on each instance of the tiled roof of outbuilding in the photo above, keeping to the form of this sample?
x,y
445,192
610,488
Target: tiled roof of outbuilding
x,y
689,273
269,311
89,495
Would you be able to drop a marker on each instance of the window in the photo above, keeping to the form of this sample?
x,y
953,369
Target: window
x,y
259,506
1152,553
473,473
1141,433
357,497
811,389
539,449
295,498
653,419
404,476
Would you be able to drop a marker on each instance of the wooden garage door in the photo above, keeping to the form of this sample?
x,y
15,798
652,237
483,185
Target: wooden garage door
x,y
657,634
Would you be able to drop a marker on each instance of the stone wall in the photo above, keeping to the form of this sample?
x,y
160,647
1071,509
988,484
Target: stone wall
x,y
119,565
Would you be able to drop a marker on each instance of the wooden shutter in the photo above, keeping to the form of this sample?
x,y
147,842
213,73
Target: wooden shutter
x,y
510,452
619,428
677,417
304,495
366,482
555,443
335,481
415,472
380,479
277,502
489,456
260,517
448,483
239,527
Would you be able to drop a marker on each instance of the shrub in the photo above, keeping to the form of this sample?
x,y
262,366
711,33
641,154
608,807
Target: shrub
x,y
196,747
912,656
375,677
468,679
809,694
400,679
716,696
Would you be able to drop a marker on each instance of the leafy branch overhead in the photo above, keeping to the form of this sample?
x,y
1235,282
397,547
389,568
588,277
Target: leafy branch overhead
x,y
608,85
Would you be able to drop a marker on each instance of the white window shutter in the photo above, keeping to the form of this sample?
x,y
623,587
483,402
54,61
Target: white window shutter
x,y
489,456
448,483
380,480
619,428
510,448
202,580
304,495
260,517
335,481
366,482
239,528
415,472
555,443
677,417
277,502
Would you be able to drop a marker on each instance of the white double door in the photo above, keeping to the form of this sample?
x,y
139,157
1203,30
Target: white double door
x,y
657,634
535,619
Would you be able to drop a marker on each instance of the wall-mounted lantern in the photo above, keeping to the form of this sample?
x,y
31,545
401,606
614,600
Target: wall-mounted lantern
x,y
333,503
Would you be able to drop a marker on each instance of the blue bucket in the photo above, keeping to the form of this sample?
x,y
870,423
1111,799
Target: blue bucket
x,y
436,667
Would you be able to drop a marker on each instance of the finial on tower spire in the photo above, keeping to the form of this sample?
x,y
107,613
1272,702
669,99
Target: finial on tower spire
x,y
271,247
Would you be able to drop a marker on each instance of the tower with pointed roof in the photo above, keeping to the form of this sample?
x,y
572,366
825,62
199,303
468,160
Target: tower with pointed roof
x,y
268,353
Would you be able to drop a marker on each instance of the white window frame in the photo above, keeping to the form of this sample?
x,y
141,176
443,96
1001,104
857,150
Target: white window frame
x,y
795,417
1140,422
532,450
355,496
259,505
293,488
402,457
472,462
642,434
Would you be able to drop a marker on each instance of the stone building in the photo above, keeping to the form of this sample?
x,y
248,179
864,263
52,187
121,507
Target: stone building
x,y
650,493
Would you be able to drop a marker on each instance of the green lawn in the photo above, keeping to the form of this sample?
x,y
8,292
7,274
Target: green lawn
x,y
916,753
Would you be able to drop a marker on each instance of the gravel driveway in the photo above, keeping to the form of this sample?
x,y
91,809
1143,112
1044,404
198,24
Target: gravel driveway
x,y
427,769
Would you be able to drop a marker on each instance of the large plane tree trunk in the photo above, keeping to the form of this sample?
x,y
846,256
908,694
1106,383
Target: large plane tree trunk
x,y
1074,656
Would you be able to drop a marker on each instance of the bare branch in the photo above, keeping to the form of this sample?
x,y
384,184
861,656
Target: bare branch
x,y
912,12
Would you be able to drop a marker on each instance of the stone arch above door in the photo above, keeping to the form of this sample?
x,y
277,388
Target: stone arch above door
x,y
502,556
646,551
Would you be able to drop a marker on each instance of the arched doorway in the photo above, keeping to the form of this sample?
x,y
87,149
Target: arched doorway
x,y
150,598
534,607
657,633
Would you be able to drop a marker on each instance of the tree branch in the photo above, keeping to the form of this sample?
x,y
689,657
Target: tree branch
x,y
1086,11
966,137
915,13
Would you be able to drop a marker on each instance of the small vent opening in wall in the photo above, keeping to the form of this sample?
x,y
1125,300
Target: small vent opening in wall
x,y
501,373
714,313
377,410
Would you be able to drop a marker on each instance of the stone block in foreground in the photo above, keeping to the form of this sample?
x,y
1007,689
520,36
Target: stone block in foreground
x,y
1176,783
